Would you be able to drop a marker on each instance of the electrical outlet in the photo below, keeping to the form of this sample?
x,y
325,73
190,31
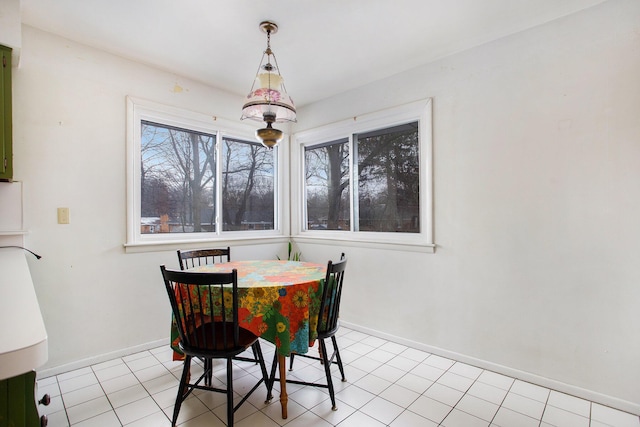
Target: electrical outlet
x,y
63,215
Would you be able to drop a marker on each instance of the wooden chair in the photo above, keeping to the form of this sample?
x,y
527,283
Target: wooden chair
x,y
327,327
198,257
209,335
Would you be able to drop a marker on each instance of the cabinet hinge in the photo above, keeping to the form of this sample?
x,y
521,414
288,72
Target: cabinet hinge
x,y
4,61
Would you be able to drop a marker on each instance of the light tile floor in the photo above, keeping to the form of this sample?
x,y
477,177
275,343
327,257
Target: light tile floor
x,y
388,385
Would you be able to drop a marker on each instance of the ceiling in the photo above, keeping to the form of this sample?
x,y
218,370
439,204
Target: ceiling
x,y
323,47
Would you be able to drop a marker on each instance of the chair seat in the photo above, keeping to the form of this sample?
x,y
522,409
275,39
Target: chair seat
x,y
223,346
324,332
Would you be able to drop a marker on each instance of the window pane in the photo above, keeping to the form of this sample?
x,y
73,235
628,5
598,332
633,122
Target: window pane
x,y
177,180
247,186
388,179
327,186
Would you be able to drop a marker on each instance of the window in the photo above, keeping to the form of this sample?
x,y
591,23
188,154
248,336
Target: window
x,y
327,185
369,179
191,178
247,186
177,180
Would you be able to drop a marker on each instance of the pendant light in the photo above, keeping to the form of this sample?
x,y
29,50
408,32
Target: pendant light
x,y
268,100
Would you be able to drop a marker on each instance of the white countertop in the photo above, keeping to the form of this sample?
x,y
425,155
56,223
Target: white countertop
x,y
23,337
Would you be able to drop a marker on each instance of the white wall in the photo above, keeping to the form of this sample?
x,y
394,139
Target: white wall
x,y
536,202
69,139
537,207
10,34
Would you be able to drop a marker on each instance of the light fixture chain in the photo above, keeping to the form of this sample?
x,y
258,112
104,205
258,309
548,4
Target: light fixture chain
x,y
269,52
268,39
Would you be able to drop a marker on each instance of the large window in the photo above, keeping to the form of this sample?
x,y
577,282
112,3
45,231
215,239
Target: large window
x,y
196,179
369,179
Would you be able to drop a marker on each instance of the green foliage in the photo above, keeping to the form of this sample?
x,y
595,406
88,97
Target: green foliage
x,y
292,256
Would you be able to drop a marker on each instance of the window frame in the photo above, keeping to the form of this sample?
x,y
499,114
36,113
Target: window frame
x,y
420,111
139,110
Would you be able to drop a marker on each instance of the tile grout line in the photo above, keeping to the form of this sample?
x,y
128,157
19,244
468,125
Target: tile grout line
x,y
503,399
463,394
546,403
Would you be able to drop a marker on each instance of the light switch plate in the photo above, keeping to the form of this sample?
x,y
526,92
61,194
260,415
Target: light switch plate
x,y
63,215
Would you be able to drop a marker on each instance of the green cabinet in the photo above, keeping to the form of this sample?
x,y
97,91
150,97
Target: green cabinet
x,y
17,402
6,143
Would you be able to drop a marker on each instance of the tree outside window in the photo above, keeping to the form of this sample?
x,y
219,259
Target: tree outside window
x,y
386,187
177,180
179,185
247,186
388,171
327,185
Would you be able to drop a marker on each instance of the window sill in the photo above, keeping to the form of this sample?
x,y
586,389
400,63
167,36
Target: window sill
x,y
13,232
161,246
333,239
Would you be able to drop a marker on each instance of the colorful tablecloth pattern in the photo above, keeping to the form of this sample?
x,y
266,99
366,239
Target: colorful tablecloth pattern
x,y
279,301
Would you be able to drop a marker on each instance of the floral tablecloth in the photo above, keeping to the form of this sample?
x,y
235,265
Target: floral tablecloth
x,y
279,301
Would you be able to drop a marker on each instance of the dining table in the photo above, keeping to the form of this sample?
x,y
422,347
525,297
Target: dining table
x,y
279,301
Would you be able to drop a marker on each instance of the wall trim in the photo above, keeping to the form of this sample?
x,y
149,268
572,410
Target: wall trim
x,y
603,399
89,361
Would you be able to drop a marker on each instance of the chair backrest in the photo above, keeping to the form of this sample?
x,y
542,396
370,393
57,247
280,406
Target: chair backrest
x,y
195,258
205,308
331,294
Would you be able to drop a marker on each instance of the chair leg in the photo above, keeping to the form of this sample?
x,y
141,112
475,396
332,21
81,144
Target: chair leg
x,y
255,355
258,351
272,377
338,358
229,392
291,361
327,370
205,365
182,389
208,367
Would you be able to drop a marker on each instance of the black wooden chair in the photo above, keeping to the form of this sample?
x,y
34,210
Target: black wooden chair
x,y
208,326
198,257
327,327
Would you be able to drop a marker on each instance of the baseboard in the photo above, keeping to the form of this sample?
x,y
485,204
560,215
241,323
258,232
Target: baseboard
x,y
593,396
83,363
